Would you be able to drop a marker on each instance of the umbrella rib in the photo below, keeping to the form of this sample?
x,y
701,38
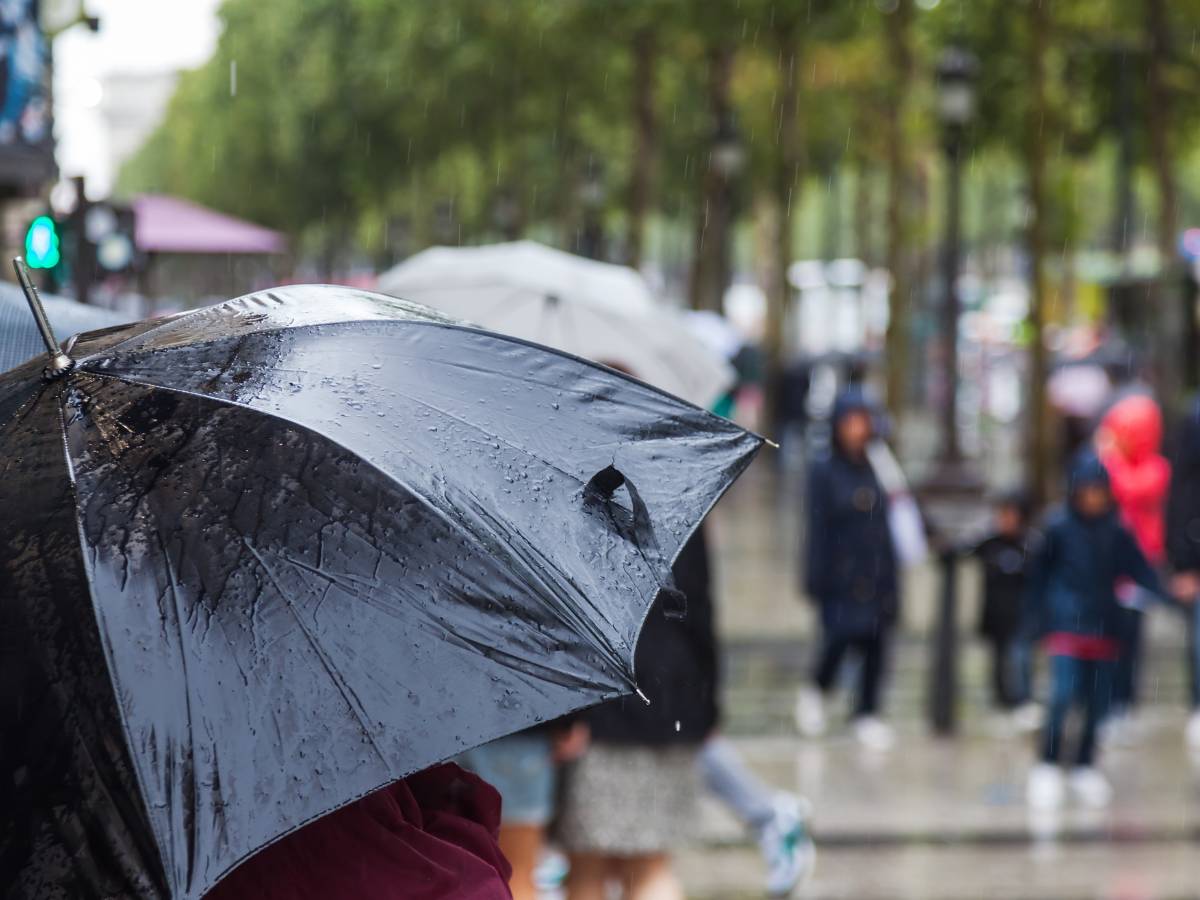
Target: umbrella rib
x,y
85,558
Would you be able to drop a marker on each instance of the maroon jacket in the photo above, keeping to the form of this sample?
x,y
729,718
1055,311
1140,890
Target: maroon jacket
x,y
431,836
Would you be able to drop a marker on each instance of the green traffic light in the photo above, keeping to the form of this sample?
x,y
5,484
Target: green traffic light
x,y
41,244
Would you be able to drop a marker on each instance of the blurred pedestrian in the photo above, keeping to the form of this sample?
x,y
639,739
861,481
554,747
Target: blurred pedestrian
x,y
1005,556
431,836
778,819
1129,441
1183,547
523,768
1072,598
631,799
850,571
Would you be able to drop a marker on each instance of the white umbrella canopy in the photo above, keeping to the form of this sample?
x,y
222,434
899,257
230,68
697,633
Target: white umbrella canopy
x,y
596,310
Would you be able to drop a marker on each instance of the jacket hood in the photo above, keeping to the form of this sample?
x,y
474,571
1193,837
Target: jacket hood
x,y
1135,427
849,401
1086,469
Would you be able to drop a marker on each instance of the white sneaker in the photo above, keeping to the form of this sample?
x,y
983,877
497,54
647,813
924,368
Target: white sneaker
x,y
810,711
1044,790
1027,717
786,845
1090,786
874,733
1192,732
551,871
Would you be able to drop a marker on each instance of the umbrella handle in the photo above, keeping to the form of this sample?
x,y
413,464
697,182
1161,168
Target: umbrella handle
x,y
60,363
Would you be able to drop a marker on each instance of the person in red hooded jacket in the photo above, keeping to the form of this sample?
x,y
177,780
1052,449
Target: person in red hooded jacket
x,y
1130,445
1129,441
430,836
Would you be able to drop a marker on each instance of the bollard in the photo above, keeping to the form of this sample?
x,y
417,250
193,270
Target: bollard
x,y
943,671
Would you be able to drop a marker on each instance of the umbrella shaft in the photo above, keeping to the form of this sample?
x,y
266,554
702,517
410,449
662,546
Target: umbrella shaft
x,y
59,361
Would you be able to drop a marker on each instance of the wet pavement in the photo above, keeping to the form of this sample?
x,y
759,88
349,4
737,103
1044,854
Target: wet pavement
x,y
933,818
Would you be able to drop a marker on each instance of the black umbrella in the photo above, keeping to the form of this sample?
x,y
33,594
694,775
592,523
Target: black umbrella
x,y
262,558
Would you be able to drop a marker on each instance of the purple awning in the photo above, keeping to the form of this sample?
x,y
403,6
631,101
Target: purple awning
x,y
171,225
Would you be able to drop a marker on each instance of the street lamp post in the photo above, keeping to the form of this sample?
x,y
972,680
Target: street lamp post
x,y
951,496
955,107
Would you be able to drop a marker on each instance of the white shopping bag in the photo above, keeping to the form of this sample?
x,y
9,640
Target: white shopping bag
x,y
904,516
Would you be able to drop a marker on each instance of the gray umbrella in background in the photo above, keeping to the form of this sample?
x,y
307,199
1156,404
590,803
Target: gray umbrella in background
x,y
19,338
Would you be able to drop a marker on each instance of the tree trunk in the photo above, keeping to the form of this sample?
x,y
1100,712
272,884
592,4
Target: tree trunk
x,y
714,218
785,189
1035,171
1166,307
900,57
865,244
645,126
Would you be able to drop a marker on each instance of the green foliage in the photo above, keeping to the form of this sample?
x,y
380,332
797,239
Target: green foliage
x,y
334,119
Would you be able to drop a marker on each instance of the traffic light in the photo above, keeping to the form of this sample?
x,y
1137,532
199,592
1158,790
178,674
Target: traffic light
x,y
42,244
110,230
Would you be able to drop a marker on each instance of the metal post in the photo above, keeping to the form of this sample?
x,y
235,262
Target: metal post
x,y
951,453
943,673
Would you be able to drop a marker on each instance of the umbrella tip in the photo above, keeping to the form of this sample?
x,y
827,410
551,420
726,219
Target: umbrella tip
x,y
645,699
60,363
770,443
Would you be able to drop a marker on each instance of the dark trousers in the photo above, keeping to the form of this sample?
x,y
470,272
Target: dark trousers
x,y
1087,685
872,649
1006,683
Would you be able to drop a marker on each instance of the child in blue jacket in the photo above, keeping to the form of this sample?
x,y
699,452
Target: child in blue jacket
x,y
1072,602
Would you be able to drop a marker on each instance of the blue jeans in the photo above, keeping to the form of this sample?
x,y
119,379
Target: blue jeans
x,y
1087,684
522,770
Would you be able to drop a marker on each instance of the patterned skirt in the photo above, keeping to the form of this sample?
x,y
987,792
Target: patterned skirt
x,y
629,800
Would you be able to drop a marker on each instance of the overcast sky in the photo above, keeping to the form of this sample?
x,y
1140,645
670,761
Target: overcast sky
x,y
135,36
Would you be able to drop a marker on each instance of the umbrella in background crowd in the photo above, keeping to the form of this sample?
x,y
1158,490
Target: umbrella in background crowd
x,y
19,336
595,310
262,558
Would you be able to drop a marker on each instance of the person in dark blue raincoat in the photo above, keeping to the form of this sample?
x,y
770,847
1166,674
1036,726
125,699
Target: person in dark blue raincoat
x,y
1086,558
850,569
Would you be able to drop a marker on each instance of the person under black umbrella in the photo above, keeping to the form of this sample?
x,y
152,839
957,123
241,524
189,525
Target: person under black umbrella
x,y
266,558
431,836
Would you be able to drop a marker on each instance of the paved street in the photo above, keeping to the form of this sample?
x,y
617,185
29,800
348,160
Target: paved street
x,y
932,818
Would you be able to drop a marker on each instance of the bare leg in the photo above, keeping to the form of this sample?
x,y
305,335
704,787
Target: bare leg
x,y
588,877
650,878
522,845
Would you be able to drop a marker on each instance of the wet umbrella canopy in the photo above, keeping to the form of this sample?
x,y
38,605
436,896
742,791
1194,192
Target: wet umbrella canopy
x,y
262,558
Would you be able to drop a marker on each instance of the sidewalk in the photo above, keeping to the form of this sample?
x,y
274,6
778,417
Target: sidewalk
x,y
932,819
935,819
